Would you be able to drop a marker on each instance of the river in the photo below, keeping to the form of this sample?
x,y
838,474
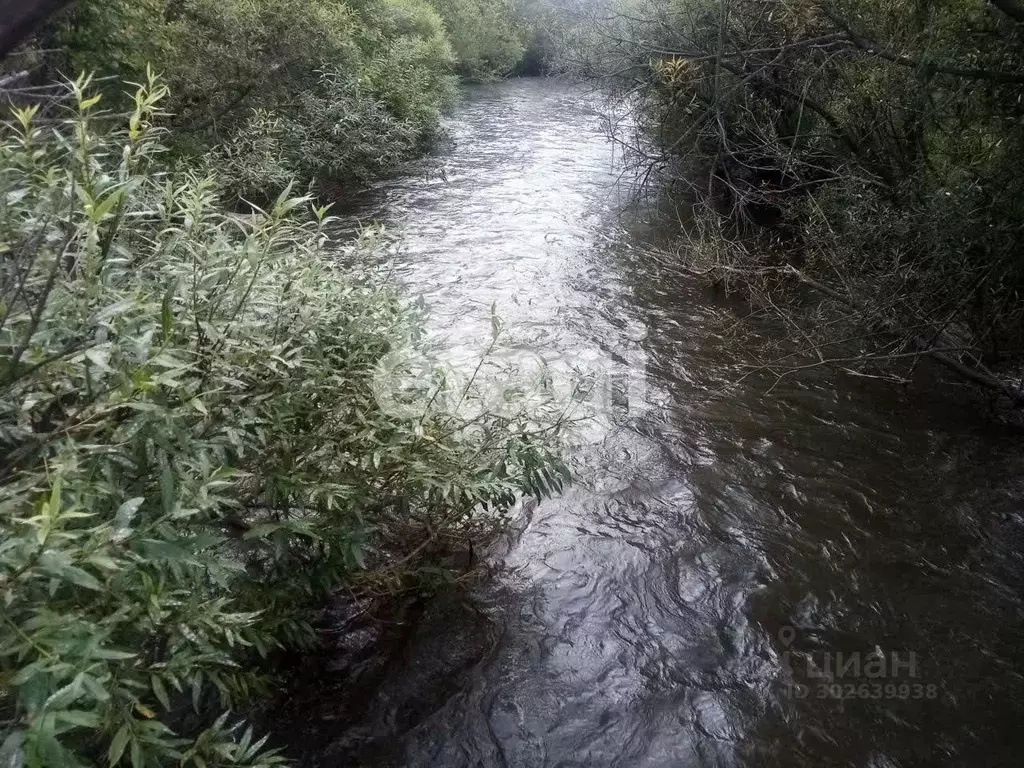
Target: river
x,y
826,573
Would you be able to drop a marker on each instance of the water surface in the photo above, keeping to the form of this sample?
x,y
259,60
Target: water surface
x,y
691,602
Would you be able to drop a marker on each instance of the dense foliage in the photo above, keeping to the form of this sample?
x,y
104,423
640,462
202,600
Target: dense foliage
x,y
331,92
869,149
485,35
194,448
270,91
496,38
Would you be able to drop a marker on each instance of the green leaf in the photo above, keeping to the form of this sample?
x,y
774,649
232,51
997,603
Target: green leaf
x,y
117,745
103,561
11,753
111,654
108,204
64,696
261,531
197,689
98,356
78,717
167,311
160,691
126,512
358,555
45,732
57,564
81,578
55,497
95,688
167,487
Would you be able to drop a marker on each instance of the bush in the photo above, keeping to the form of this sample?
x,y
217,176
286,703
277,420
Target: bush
x,y
319,90
876,147
488,36
193,454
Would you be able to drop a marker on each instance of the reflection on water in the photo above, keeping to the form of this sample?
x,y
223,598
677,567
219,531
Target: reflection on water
x,y
726,585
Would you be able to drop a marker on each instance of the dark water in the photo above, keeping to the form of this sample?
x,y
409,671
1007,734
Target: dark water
x,y
826,574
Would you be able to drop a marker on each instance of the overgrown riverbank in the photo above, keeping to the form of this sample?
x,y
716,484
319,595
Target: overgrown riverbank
x,y
206,427
316,92
195,447
854,167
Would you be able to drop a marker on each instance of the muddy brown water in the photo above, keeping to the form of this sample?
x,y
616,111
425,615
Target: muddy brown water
x,y
826,574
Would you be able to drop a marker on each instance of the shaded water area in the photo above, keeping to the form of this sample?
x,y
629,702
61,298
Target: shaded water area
x,y
826,574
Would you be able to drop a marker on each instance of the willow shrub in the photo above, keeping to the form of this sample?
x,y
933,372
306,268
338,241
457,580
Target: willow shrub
x,y
489,36
193,454
275,90
347,120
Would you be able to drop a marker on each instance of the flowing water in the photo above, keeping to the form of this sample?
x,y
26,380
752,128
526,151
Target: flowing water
x,y
825,574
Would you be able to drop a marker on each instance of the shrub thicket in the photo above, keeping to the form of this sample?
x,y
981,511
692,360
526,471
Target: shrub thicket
x,y
193,453
337,92
880,143
488,36
267,91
